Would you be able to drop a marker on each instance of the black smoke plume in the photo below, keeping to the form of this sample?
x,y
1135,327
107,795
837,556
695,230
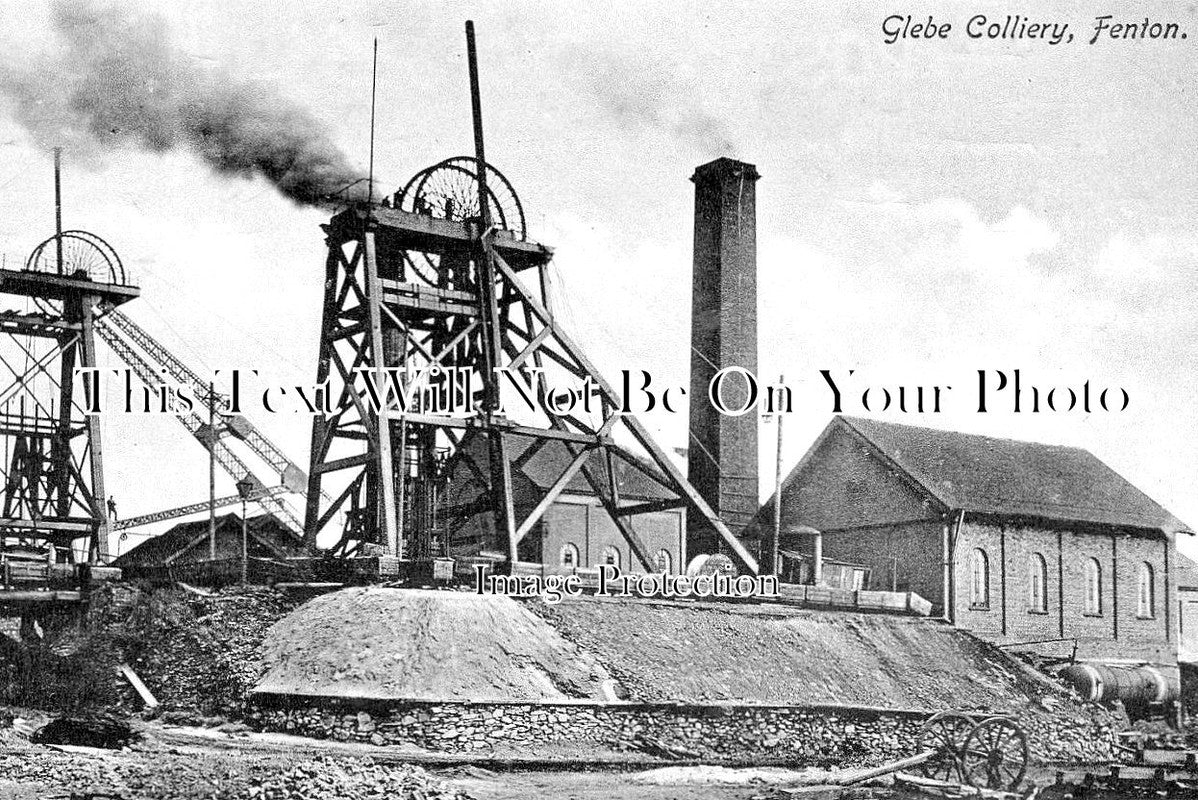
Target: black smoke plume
x,y
114,79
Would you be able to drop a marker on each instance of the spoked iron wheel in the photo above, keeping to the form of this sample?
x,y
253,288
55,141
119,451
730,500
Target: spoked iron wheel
x,y
84,255
994,755
449,190
944,733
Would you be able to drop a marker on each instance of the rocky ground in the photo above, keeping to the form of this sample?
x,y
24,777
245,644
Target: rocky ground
x,y
157,768
192,764
198,653
172,763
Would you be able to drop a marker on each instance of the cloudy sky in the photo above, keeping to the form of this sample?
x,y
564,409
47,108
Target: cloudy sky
x,y
927,209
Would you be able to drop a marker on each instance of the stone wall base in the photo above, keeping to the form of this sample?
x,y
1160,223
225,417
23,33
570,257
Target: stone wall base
x,y
803,736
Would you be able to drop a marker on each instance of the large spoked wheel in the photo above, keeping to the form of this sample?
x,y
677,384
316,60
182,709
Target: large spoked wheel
x,y
449,190
994,755
944,734
84,255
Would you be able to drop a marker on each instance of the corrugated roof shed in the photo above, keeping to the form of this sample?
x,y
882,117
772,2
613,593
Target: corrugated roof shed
x,y
1009,477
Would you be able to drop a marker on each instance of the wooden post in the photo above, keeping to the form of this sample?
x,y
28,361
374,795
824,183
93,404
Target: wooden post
x,y
777,492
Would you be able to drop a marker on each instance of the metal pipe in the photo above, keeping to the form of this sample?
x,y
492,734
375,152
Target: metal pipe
x,y
818,568
58,205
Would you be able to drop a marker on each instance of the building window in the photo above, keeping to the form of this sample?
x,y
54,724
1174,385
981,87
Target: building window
x,y
1037,601
1147,605
610,556
663,562
979,588
1093,588
569,555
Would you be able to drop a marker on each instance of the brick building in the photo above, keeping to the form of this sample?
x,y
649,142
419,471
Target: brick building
x,y
577,530
1020,543
1187,610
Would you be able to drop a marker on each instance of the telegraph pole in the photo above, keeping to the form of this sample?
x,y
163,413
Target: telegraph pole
x,y
777,490
211,471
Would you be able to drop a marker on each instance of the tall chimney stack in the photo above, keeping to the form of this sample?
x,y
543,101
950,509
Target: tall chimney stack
x,y
722,456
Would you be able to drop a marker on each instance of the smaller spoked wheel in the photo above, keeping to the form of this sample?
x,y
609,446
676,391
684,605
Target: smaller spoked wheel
x,y
944,734
83,255
994,755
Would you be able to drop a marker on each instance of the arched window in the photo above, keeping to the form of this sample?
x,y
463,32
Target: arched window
x,y
569,555
610,556
1037,584
979,588
663,562
1147,605
1093,604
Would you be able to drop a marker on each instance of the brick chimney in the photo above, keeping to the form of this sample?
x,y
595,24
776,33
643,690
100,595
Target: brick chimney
x,y
722,461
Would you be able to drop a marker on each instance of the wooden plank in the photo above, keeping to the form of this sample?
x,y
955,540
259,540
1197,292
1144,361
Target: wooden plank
x,y
142,690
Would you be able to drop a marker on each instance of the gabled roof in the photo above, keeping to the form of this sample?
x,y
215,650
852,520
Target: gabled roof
x,y
265,528
1009,477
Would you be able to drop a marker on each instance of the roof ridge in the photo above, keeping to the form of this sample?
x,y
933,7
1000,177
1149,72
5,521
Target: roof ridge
x,y
912,426
988,473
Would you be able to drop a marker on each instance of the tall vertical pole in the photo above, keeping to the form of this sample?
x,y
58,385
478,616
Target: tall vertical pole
x,y
476,107
58,205
391,536
245,550
501,483
374,75
211,471
103,544
777,491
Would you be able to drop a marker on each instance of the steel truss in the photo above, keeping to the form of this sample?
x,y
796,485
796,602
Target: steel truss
x,y
121,334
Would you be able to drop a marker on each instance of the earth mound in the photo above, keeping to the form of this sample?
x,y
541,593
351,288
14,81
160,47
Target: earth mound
x,y
411,644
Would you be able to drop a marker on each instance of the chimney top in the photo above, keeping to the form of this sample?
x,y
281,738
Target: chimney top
x,y
725,167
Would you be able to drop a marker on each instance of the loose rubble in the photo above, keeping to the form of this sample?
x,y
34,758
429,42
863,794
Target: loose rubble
x,y
336,779
198,654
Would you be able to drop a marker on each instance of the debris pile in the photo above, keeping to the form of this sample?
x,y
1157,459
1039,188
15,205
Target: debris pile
x,y
210,659
197,652
147,771
333,779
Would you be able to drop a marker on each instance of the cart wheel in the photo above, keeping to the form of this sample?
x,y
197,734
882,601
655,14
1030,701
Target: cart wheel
x,y
994,755
945,734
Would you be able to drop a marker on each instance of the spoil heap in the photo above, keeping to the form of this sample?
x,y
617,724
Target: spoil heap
x,y
663,651
408,644
203,656
197,652
727,681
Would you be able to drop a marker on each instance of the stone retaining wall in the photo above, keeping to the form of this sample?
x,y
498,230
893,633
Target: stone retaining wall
x,y
803,736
